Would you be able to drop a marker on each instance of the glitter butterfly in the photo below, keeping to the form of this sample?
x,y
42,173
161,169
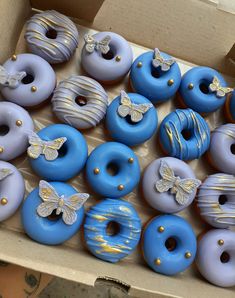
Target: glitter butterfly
x,y
47,148
136,111
216,87
91,44
4,173
9,80
66,205
182,188
158,60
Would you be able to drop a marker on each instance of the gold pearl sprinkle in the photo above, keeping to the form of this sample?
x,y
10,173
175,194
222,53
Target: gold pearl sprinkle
x,y
33,88
157,262
221,242
170,82
131,160
4,201
19,122
139,64
118,58
161,229
190,86
14,57
1,149
120,187
96,171
187,255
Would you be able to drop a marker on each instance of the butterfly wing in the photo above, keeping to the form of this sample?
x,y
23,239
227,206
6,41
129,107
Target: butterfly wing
x,y
181,197
125,107
90,43
4,173
51,148
3,76
14,80
166,64
69,215
168,176
185,188
47,192
36,145
163,185
157,60
103,45
214,86
46,208
222,91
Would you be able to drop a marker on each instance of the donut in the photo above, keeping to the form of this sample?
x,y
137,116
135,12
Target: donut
x,y
203,89
12,190
57,152
215,257
15,123
112,248
169,185
223,139
80,101
169,244
106,56
112,170
229,108
51,35
27,80
184,134
131,119
156,76
216,200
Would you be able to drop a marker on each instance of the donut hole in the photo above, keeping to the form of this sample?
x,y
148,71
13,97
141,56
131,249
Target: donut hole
x,y
111,53
81,101
232,148
28,79
156,72
224,257
51,33
170,244
113,228
53,216
186,134
112,169
128,120
63,151
204,87
4,129
222,199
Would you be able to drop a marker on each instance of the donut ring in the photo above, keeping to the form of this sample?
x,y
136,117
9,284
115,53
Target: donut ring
x,y
167,200
42,80
106,247
216,200
160,253
111,66
152,82
15,123
12,190
126,170
122,128
57,48
72,153
47,230
223,137
215,257
195,90
94,97
173,141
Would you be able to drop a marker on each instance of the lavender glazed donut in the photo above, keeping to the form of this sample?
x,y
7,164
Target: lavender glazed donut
x,y
216,257
106,56
216,200
88,110
221,148
52,35
12,189
169,185
27,80
15,124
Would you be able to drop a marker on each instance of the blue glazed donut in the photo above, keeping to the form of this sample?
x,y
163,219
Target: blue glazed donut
x,y
112,248
169,244
112,170
131,119
155,75
58,152
39,205
203,89
177,144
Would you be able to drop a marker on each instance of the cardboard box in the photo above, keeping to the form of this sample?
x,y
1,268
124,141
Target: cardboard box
x,y
197,31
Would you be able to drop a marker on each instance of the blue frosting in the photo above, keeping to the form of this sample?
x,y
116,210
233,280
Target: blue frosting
x,y
154,248
68,164
155,89
232,106
42,229
175,144
112,248
194,98
127,175
128,132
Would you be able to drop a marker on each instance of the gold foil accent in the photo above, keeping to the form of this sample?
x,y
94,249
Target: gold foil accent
x,y
99,217
118,58
157,261
1,149
131,160
120,187
33,88
221,242
161,229
19,122
4,201
110,249
170,82
190,86
188,255
14,57
139,64
96,171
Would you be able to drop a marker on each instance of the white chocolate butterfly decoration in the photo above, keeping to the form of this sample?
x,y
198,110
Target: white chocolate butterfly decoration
x,y
91,44
136,111
159,61
218,89
66,205
182,188
4,172
10,80
47,148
